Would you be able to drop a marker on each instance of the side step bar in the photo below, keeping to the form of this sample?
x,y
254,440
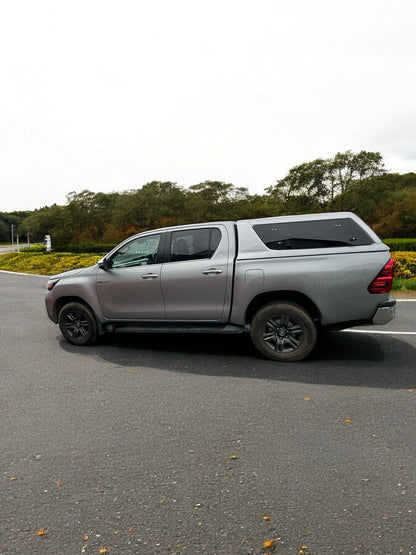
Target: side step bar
x,y
173,328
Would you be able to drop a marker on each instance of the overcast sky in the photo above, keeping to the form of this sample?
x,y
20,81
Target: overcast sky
x,y
109,95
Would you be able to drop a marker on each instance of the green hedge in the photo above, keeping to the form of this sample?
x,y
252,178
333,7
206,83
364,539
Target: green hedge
x,y
89,248
401,244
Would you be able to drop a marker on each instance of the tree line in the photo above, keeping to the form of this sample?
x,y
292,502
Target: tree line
x,y
356,182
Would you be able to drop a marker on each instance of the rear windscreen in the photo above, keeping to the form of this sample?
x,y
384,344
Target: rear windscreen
x,y
315,234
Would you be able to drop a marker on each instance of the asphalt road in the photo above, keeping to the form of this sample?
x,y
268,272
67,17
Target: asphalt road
x,y
196,445
12,248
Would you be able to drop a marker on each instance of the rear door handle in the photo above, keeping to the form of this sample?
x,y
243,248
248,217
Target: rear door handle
x,y
211,271
150,276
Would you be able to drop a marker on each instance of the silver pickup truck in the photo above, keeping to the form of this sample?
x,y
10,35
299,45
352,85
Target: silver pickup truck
x,y
280,279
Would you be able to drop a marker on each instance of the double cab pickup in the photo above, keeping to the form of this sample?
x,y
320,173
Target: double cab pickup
x,y
280,279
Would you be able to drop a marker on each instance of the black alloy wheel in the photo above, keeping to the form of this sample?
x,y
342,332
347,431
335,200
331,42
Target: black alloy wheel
x,y
77,324
283,331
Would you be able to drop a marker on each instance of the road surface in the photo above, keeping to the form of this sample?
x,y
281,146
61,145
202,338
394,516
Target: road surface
x,y
196,445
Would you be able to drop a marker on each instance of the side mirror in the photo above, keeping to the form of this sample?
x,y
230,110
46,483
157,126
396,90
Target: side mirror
x,y
104,264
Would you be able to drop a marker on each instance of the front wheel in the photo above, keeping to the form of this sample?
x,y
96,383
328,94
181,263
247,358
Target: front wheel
x,y
283,331
77,324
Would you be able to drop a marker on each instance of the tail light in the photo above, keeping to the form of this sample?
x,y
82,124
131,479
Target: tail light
x,y
383,281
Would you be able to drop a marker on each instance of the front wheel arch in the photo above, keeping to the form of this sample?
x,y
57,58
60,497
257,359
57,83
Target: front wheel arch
x,y
283,331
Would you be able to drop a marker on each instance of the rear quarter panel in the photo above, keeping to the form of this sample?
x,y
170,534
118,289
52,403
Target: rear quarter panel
x,y
335,279
337,283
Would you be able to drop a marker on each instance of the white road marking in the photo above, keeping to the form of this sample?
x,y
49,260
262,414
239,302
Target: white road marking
x,y
382,332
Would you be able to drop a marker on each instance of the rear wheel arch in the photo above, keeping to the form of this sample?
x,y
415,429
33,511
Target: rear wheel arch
x,y
281,296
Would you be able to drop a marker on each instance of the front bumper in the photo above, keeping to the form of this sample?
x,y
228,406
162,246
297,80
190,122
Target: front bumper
x,y
385,312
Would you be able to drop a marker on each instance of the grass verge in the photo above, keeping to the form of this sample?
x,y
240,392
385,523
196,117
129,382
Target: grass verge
x,y
46,264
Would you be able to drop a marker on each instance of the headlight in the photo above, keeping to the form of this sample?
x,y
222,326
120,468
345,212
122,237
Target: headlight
x,y
51,284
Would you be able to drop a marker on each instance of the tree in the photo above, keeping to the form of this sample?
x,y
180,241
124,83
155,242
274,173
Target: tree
x,y
347,168
214,200
305,184
5,233
9,219
49,220
321,184
161,204
89,214
387,203
156,204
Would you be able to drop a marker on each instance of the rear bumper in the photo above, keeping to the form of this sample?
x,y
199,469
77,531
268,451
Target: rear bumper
x,y
385,312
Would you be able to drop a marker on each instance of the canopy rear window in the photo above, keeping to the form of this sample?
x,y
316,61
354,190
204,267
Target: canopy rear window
x,y
314,234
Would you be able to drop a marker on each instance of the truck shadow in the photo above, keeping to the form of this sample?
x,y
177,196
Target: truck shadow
x,y
340,358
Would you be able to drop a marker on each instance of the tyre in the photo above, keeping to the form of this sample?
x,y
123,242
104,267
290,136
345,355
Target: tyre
x,y
77,324
283,331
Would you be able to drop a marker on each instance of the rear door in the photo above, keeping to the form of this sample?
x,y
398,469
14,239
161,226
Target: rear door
x,y
196,278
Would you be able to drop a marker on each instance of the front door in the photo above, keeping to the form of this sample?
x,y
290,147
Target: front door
x,y
131,288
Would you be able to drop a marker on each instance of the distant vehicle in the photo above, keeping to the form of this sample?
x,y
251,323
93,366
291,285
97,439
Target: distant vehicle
x,y
280,279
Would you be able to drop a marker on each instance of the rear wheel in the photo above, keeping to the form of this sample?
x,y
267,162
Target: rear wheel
x,y
283,331
77,324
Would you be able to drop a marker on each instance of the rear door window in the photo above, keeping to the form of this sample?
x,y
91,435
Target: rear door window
x,y
315,234
194,244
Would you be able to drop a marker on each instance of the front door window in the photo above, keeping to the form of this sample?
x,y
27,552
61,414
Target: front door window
x,y
139,252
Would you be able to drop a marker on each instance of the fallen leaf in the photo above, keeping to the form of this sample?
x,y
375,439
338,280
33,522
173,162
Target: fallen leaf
x,y
42,532
269,544
347,421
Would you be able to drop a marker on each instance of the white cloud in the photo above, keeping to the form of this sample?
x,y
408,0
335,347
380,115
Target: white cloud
x,y
108,95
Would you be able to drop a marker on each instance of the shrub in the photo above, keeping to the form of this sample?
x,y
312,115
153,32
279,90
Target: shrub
x,y
405,264
45,263
90,248
400,284
401,244
40,247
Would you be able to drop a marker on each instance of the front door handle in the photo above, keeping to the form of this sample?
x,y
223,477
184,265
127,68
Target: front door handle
x,y
150,276
212,271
